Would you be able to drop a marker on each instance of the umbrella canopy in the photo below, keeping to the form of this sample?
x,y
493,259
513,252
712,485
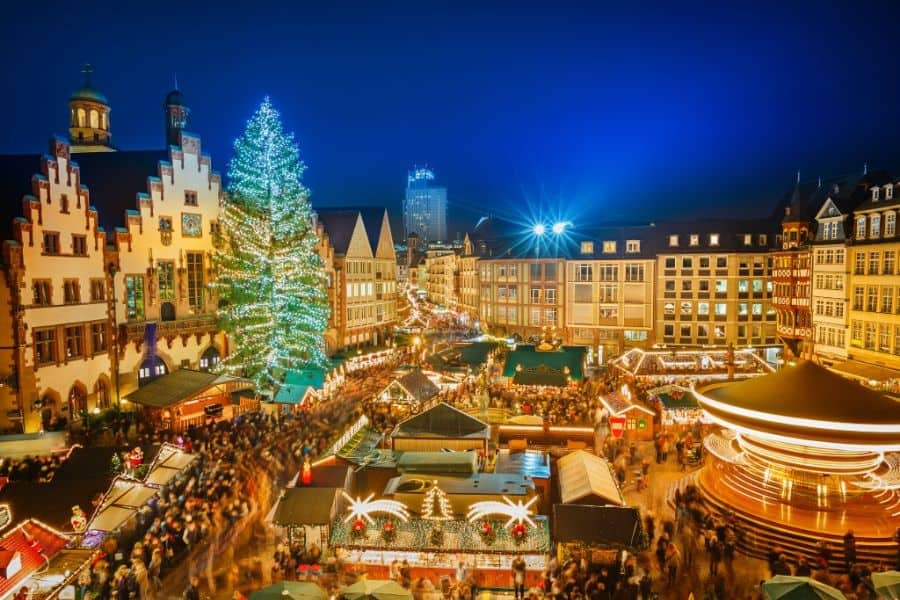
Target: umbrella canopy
x,y
887,584
379,589
785,587
290,590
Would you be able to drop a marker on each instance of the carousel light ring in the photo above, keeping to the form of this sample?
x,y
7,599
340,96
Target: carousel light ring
x,y
518,512
362,509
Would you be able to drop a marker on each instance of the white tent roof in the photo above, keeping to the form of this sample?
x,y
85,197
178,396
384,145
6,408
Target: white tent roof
x,y
122,500
169,461
583,474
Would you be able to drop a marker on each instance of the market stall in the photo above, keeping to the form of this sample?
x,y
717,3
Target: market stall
x,y
616,531
442,426
122,501
627,419
305,514
585,478
677,407
410,390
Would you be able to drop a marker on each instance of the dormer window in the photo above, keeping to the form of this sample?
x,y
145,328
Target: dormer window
x,y
633,246
609,247
673,241
714,239
748,239
875,191
861,228
889,192
763,239
587,247
695,239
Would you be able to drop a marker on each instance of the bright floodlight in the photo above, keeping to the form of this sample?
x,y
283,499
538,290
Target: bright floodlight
x,y
558,228
539,229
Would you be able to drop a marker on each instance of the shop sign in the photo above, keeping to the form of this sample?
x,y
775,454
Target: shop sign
x,y
617,426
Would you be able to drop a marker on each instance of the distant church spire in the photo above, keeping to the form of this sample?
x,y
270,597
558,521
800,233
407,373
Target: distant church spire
x,y
819,185
798,176
176,80
865,168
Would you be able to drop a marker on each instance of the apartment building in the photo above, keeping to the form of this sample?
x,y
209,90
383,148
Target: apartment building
x,y
357,248
522,297
442,277
874,315
610,280
713,284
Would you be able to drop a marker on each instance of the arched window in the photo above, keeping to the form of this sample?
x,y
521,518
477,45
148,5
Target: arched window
x,y
103,124
150,369
102,392
209,358
82,117
77,401
95,119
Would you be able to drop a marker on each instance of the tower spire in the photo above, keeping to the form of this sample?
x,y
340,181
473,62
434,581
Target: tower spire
x,y
865,168
798,176
176,80
87,69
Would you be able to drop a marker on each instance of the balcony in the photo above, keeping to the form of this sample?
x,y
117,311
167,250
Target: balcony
x,y
133,331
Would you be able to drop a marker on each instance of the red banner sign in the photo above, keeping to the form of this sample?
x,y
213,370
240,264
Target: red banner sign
x,y
617,426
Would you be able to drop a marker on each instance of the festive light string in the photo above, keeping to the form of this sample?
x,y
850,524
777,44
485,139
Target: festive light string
x,y
362,509
270,279
517,512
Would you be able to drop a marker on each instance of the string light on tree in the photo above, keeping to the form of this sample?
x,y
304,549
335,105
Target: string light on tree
x,y
436,505
270,279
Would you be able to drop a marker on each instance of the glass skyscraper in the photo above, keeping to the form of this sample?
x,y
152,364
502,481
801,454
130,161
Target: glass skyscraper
x,y
425,206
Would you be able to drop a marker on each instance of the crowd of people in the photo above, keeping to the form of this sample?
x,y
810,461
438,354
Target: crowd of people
x,y
30,468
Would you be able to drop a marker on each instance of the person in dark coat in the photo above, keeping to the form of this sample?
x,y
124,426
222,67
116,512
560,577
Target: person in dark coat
x,y
849,549
193,589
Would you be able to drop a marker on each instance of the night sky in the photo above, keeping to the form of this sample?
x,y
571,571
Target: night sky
x,y
593,112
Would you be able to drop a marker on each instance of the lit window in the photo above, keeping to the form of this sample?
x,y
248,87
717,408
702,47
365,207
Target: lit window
x,y
673,240
609,247
714,239
748,239
695,239
587,247
633,246
861,228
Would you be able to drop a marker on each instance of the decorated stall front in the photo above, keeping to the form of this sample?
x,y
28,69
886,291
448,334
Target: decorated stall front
x,y
677,407
690,366
628,419
487,538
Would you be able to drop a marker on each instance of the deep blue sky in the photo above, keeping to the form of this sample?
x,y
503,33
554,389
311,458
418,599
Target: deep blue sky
x,y
622,113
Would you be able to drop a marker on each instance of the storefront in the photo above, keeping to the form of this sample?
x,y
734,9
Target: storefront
x,y
633,420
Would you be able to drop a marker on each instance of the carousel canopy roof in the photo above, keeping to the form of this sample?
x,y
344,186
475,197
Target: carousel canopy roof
x,y
178,386
528,366
441,420
305,506
807,401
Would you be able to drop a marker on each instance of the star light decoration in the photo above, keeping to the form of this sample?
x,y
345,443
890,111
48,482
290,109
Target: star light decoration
x,y
361,509
518,512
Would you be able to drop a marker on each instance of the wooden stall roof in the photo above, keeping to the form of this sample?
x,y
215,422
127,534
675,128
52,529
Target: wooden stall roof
x,y
582,475
181,385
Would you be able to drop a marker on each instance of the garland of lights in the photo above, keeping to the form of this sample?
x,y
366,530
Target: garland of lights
x,y
270,279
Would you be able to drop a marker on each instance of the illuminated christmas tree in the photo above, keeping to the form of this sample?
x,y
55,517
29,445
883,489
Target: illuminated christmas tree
x,y
270,279
436,505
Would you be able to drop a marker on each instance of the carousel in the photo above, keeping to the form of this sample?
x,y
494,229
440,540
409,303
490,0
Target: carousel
x,y
804,455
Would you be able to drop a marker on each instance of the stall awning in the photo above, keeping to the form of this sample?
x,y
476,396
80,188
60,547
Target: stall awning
x,y
306,506
123,499
169,461
584,476
181,385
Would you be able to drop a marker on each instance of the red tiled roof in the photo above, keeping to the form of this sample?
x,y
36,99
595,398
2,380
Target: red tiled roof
x,y
36,544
